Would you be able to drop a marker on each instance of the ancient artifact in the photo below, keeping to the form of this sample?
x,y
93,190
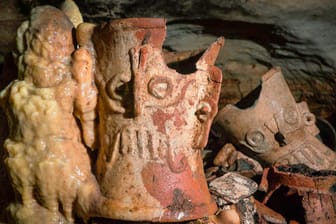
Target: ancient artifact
x,y
267,215
316,191
242,212
153,123
229,159
270,126
232,188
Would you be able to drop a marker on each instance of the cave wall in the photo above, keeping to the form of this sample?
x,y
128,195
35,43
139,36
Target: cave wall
x,y
298,36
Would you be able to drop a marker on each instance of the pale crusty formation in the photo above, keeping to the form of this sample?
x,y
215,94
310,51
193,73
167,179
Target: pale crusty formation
x,y
48,164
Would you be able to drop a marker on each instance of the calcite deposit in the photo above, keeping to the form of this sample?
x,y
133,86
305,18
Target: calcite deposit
x,y
47,162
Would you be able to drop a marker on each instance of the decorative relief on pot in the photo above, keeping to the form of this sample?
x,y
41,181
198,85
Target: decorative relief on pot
x,y
270,126
158,121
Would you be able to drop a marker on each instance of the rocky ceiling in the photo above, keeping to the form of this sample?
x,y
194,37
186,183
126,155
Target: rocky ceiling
x,y
299,36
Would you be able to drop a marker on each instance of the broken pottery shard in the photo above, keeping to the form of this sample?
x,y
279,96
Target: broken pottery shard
x,y
153,124
231,160
267,215
47,162
241,213
270,126
232,187
226,156
246,209
315,188
228,215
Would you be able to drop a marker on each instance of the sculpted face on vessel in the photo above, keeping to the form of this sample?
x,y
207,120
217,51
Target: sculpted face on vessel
x,y
153,123
270,126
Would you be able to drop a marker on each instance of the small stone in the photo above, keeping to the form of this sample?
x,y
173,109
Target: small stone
x,y
233,187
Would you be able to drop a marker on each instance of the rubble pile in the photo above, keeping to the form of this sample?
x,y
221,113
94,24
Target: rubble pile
x,y
289,173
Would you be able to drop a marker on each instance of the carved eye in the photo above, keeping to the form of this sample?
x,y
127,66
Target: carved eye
x,y
309,118
291,117
159,87
255,138
203,111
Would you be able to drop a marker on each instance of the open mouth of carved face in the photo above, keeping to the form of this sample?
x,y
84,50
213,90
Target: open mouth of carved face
x,y
120,90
